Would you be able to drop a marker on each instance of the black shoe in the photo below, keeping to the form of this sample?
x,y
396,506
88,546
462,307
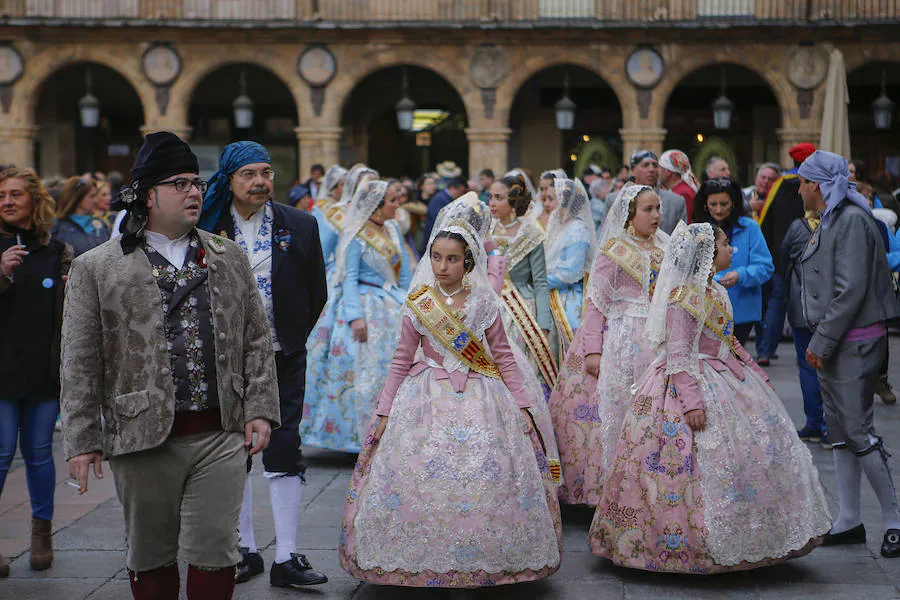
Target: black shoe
x,y
890,547
857,535
808,434
763,361
296,571
250,566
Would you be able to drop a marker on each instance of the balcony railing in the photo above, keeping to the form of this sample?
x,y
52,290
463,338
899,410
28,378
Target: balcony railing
x,y
470,13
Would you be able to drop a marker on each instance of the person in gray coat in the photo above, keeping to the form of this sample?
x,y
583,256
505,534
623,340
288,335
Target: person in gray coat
x,y
645,171
846,297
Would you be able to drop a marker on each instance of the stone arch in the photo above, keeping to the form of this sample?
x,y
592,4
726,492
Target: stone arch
x,y
202,65
530,65
785,94
353,70
41,66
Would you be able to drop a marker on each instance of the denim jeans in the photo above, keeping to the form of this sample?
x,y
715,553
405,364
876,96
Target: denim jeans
x,y
33,420
809,382
773,319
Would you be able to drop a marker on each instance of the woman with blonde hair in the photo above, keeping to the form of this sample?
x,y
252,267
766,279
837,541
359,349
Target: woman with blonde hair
x,y
32,270
75,223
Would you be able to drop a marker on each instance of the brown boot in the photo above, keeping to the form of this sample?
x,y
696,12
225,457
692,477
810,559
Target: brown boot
x,y
4,567
884,391
41,544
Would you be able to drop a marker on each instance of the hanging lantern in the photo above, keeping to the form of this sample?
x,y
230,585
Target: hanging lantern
x,y
243,106
883,107
723,108
565,108
89,106
405,108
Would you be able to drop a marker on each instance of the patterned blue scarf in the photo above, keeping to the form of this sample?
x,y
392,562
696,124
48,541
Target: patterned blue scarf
x,y
218,194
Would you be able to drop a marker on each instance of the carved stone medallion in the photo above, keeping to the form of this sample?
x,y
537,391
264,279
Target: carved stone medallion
x,y
161,65
488,67
807,67
644,67
12,65
317,66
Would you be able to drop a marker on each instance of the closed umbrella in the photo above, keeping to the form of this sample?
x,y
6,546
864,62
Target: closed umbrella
x,y
835,135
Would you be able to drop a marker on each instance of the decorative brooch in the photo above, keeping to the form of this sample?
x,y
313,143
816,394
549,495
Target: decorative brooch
x,y
283,239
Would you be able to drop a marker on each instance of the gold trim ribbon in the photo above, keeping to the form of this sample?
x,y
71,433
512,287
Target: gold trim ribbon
x,y
563,327
534,337
336,216
450,331
718,320
383,245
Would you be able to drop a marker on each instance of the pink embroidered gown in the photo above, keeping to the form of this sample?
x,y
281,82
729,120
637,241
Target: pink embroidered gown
x,y
587,412
452,495
740,494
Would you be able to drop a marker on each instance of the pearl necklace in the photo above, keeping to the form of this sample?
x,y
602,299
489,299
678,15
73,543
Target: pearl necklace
x,y
507,227
449,299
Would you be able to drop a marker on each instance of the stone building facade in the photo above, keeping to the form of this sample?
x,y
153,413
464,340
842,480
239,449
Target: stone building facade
x,y
484,59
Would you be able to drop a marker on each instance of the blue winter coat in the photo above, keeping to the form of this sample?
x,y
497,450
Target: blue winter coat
x,y
753,263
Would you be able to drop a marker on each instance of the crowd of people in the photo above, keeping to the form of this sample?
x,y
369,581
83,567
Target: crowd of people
x,y
490,348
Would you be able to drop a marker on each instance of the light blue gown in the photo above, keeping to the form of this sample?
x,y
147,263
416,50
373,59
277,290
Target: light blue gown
x,y
344,376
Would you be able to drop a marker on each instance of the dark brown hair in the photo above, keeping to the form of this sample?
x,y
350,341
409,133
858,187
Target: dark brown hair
x,y
517,196
468,257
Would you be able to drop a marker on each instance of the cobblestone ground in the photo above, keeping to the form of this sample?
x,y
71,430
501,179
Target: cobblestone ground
x,y
89,541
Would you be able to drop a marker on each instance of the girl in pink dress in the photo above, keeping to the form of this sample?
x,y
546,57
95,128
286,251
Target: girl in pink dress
x,y
709,474
447,491
587,413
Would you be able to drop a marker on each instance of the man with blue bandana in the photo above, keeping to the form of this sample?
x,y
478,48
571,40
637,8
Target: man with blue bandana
x,y
846,298
282,245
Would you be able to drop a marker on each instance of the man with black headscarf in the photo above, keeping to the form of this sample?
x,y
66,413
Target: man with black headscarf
x,y
282,245
168,371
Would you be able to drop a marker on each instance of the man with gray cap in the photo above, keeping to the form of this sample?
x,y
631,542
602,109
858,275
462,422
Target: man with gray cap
x,y
168,371
846,298
645,171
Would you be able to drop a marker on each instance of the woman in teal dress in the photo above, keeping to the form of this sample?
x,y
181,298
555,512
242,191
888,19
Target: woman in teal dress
x,y
569,248
351,349
520,239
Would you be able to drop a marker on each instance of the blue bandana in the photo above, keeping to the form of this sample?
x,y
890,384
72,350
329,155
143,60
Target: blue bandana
x,y
218,194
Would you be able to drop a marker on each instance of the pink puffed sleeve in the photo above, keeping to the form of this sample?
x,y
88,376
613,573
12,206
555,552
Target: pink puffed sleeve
x,y
403,360
747,360
593,325
506,363
681,356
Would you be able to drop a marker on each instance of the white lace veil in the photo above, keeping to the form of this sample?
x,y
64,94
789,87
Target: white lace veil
x,y
365,202
570,223
554,174
536,208
332,178
470,218
352,182
614,227
688,263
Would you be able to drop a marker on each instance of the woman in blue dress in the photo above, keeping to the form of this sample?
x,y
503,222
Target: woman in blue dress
x,y
569,248
351,349
329,195
335,212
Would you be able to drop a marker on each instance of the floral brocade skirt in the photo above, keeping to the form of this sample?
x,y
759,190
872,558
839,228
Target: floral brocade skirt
x,y
343,376
741,494
587,413
452,495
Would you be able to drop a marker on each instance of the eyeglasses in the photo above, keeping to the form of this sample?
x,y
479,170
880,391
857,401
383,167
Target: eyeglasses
x,y
250,174
183,184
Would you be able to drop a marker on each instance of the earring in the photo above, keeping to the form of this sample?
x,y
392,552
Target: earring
x,y
466,283
630,229
378,214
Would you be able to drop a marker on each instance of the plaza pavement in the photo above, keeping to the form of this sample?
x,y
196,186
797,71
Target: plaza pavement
x,y
89,541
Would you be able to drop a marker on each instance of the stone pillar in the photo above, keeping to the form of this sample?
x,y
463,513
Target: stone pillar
x,y
317,145
182,131
649,138
17,142
789,138
488,150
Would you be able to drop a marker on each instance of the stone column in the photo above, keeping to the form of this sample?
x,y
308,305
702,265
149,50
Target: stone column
x,y
317,145
488,150
17,142
648,138
182,131
790,137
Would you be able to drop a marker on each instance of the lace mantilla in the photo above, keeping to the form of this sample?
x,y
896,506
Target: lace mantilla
x,y
571,223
